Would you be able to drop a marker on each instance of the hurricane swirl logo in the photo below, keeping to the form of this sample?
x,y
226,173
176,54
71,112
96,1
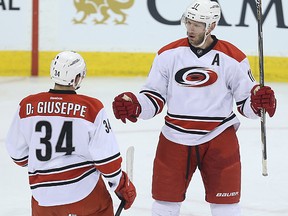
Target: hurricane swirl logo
x,y
196,77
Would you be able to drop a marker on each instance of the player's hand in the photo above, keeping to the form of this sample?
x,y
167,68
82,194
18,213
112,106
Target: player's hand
x,y
263,97
126,106
126,190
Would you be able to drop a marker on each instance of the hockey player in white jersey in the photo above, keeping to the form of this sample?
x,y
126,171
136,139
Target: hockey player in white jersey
x,y
198,77
67,143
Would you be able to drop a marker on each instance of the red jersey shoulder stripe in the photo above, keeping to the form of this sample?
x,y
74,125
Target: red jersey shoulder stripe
x,y
230,50
183,42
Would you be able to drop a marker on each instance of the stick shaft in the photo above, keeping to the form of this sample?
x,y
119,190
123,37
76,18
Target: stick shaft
x,y
120,208
129,170
261,77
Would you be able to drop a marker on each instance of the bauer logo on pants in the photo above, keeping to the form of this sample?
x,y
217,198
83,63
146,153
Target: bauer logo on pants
x,y
231,194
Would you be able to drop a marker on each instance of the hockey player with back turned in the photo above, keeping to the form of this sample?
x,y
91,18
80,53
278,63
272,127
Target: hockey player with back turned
x,y
66,140
198,78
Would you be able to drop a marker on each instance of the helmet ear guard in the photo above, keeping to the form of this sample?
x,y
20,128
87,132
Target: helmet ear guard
x,y
66,67
204,11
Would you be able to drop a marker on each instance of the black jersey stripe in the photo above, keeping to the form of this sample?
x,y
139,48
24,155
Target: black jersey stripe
x,y
202,118
60,169
154,93
66,182
185,131
113,174
107,159
19,159
198,132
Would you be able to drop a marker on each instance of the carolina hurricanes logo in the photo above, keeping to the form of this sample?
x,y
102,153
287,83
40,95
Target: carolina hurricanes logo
x,y
196,77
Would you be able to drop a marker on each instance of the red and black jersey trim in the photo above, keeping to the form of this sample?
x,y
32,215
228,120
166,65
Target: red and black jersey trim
x,y
21,161
61,176
241,105
59,183
184,130
113,174
107,159
229,118
156,99
195,124
110,166
68,167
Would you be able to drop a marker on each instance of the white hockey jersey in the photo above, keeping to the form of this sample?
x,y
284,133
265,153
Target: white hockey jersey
x,y
67,142
199,87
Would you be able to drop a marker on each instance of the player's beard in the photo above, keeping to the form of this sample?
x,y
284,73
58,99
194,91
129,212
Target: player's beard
x,y
197,41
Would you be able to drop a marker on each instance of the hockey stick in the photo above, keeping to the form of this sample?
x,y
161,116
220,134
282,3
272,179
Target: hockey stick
x,y
129,170
261,76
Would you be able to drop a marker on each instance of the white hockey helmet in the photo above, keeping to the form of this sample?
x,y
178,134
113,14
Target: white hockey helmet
x,y
204,11
66,67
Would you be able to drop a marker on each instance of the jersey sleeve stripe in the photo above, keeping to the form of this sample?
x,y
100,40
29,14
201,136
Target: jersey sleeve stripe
x,y
107,160
112,175
157,100
109,167
240,106
21,162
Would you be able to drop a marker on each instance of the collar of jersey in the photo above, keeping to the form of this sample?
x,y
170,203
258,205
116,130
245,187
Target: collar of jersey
x,y
200,52
62,91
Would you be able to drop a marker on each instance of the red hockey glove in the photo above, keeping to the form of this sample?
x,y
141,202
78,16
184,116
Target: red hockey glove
x,y
126,106
126,190
263,98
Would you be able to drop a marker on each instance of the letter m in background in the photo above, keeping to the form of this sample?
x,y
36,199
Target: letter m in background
x,y
278,7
